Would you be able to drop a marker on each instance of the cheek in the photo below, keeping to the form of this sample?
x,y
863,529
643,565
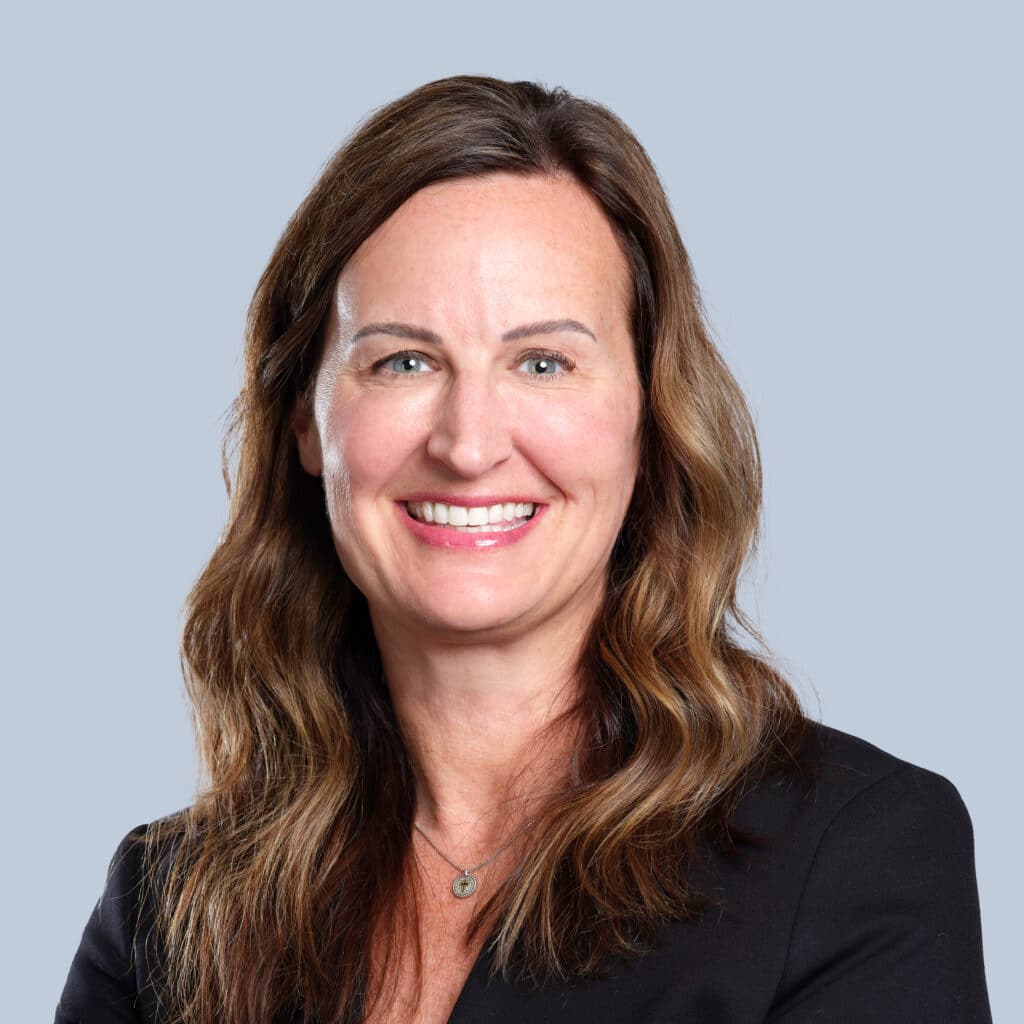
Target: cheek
x,y
366,444
588,448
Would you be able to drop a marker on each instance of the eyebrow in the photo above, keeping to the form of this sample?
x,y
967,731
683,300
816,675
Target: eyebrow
x,y
399,330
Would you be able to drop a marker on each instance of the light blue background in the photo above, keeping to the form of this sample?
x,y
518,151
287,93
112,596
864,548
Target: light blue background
x,y
847,180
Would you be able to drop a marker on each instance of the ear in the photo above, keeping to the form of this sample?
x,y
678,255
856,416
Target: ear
x,y
306,434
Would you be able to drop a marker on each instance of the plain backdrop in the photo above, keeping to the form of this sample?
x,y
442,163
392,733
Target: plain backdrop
x,y
847,180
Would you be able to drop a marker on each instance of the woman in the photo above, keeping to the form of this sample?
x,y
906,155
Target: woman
x,y
481,740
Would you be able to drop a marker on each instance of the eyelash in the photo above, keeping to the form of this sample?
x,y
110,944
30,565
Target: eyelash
x,y
537,353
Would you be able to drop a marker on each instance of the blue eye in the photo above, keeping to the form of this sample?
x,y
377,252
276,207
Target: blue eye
x,y
545,366
407,361
549,364
409,364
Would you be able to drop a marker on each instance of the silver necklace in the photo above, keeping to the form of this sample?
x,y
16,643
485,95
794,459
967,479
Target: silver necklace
x,y
465,882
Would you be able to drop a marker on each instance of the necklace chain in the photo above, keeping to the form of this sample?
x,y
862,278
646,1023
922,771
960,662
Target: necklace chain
x,y
476,867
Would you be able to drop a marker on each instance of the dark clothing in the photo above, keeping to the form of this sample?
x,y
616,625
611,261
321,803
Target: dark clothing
x,y
861,907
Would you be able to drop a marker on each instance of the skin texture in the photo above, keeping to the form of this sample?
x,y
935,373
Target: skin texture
x,y
478,645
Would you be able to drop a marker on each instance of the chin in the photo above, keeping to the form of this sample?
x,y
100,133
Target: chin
x,y
469,619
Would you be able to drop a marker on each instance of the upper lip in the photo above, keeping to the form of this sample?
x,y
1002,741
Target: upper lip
x,y
471,500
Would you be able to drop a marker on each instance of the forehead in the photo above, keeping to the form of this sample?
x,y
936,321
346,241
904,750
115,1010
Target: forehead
x,y
492,247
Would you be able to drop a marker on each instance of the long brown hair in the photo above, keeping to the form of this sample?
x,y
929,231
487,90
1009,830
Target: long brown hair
x,y
283,867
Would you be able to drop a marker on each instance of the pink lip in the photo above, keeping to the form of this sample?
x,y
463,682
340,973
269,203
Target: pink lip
x,y
444,537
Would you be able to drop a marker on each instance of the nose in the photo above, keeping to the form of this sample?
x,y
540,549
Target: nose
x,y
470,432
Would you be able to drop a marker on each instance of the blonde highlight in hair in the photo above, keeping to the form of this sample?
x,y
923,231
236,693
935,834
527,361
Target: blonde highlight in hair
x,y
268,890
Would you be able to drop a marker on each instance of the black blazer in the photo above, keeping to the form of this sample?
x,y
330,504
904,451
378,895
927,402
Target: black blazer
x,y
861,907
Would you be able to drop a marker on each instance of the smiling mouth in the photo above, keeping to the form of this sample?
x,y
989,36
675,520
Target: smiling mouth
x,y
481,519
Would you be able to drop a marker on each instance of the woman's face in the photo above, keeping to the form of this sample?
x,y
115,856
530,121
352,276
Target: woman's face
x,y
478,355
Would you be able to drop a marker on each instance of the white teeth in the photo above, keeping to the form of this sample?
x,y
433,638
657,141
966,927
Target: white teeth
x,y
472,519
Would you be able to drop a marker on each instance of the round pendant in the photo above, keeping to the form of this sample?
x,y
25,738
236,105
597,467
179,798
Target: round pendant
x,y
464,885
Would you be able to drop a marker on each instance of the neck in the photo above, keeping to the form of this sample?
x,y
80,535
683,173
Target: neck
x,y
481,723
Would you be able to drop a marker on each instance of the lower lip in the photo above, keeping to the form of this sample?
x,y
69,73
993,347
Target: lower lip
x,y
445,537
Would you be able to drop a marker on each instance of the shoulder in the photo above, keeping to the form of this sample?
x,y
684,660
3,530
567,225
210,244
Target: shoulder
x,y
113,973
876,820
875,856
141,861
867,785
846,812
836,774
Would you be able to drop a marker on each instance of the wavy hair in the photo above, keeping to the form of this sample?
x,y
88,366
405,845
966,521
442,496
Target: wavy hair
x,y
283,867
